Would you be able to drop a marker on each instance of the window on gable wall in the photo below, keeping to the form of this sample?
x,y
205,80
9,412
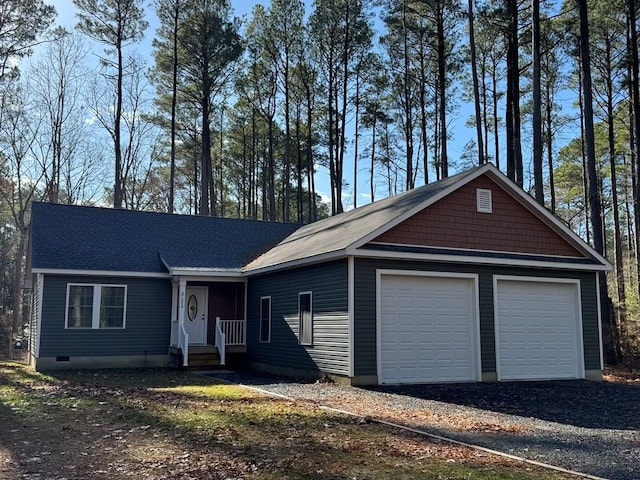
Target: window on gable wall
x,y
305,316
265,319
96,306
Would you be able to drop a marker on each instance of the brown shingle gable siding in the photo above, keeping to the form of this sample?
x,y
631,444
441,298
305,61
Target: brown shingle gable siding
x,y
453,222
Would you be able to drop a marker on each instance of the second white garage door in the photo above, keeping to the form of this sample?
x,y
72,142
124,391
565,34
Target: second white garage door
x,y
427,329
538,333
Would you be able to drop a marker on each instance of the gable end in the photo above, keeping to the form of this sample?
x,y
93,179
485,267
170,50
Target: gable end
x,y
456,221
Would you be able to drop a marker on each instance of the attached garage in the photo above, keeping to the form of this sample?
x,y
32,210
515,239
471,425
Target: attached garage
x,y
538,328
428,327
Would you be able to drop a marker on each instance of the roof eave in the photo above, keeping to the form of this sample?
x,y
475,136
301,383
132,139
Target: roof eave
x,y
205,272
471,259
334,255
99,273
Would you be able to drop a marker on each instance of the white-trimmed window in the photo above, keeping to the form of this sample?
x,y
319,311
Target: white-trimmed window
x,y
96,306
305,316
265,319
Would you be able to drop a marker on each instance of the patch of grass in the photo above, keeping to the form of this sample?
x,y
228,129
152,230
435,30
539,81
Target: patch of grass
x,y
156,424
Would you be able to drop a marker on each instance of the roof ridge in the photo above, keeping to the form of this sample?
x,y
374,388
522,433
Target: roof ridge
x,y
151,212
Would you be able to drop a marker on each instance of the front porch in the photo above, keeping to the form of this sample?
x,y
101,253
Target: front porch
x,y
208,320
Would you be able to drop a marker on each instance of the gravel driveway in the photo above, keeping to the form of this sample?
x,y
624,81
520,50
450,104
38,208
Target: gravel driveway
x,y
591,427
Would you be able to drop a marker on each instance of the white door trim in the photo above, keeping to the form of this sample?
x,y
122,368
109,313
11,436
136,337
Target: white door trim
x,y
475,324
188,292
578,309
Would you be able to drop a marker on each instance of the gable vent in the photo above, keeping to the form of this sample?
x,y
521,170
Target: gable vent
x,y
483,199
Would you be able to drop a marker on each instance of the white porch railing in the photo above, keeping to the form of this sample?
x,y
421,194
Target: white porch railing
x,y
183,342
220,341
235,331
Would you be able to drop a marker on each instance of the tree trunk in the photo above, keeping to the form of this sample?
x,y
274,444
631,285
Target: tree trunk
x,y
635,98
271,174
407,100
286,181
476,88
514,148
300,206
537,105
313,209
496,123
356,138
442,85
621,307
205,170
343,117
18,287
437,160
253,184
485,107
585,182
549,145
174,101
424,119
330,131
592,178
118,194
372,185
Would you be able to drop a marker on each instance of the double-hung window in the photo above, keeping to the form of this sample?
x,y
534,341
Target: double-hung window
x,y
265,319
305,317
96,306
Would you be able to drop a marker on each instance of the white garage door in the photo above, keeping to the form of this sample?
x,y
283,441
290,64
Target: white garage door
x,y
427,329
538,330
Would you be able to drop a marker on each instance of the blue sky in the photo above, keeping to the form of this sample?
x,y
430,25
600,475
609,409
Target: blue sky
x,y
242,8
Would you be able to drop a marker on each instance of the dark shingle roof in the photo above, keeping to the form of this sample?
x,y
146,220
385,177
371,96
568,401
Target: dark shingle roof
x,y
336,233
88,238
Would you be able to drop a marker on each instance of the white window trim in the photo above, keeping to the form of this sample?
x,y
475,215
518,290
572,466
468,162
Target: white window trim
x,y
95,312
268,340
300,321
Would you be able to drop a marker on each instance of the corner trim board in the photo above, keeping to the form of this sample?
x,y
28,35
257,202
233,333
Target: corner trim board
x,y
351,313
39,314
599,307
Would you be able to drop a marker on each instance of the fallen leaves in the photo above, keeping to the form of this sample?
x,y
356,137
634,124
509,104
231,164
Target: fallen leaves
x,y
155,425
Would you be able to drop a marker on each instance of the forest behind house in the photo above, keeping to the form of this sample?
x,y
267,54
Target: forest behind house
x,y
303,110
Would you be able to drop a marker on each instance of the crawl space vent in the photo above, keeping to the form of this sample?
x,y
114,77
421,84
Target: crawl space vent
x,y
483,198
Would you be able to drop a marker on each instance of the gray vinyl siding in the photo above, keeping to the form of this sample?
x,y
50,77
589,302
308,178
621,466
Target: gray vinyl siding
x,y
148,320
365,307
330,349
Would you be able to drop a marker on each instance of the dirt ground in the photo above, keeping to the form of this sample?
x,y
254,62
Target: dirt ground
x,y
157,424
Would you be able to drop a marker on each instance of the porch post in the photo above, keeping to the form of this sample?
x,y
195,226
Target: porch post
x,y
181,294
182,288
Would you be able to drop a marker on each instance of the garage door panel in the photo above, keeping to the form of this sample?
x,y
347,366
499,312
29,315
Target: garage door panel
x,y
429,322
537,329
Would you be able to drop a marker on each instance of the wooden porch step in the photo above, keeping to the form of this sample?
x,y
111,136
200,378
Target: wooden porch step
x,y
202,349
205,356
